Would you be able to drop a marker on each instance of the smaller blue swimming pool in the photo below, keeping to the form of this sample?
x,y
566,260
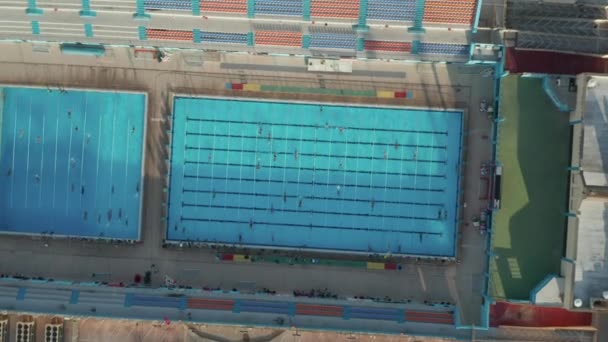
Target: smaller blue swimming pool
x,y
71,162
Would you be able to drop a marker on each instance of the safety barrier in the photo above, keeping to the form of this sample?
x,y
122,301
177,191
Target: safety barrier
x,y
223,38
280,38
319,310
429,317
281,308
225,6
210,304
279,7
443,49
376,313
154,301
378,45
450,11
163,34
333,41
180,5
335,9
402,10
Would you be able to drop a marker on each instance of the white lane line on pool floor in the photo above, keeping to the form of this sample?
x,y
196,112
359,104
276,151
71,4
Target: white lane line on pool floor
x,y
71,161
284,172
41,162
331,137
97,163
344,172
27,167
125,192
112,151
371,176
181,207
55,159
268,188
421,276
299,169
256,162
84,133
13,161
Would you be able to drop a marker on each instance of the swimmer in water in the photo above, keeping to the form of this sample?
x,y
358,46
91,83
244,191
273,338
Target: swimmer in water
x,y
338,189
9,172
85,215
274,157
112,188
109,214
72,162
295,154
88,138
132,130
120,213
284,197
69,114
396,145
82,189
37,178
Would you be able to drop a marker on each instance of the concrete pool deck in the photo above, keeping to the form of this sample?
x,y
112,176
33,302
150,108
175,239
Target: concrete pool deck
x,y
434,85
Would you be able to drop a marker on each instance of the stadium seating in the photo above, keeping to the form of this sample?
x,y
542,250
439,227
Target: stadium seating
x,y
335,9
333,41
449,11
225,6
443,49
279,7
279,38
180,5
224,38
163,34
403,10
378,45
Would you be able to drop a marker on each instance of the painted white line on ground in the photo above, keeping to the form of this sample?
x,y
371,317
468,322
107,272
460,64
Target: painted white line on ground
x,y
421,276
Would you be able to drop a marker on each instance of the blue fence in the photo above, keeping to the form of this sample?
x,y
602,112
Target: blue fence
x,y
377,313
403,10
333,41
279,7
281,308
155,301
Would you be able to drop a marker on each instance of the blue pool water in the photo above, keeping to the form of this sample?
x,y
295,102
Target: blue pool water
x,y
318,176
71,162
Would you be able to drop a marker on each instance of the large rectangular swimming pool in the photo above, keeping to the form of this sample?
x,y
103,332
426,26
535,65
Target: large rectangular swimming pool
x,y
71,162
314,176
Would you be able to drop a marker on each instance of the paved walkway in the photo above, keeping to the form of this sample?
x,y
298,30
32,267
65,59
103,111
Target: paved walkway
x,y
434,85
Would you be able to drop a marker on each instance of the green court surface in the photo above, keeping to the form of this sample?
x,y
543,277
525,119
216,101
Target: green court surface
x,y
529,229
